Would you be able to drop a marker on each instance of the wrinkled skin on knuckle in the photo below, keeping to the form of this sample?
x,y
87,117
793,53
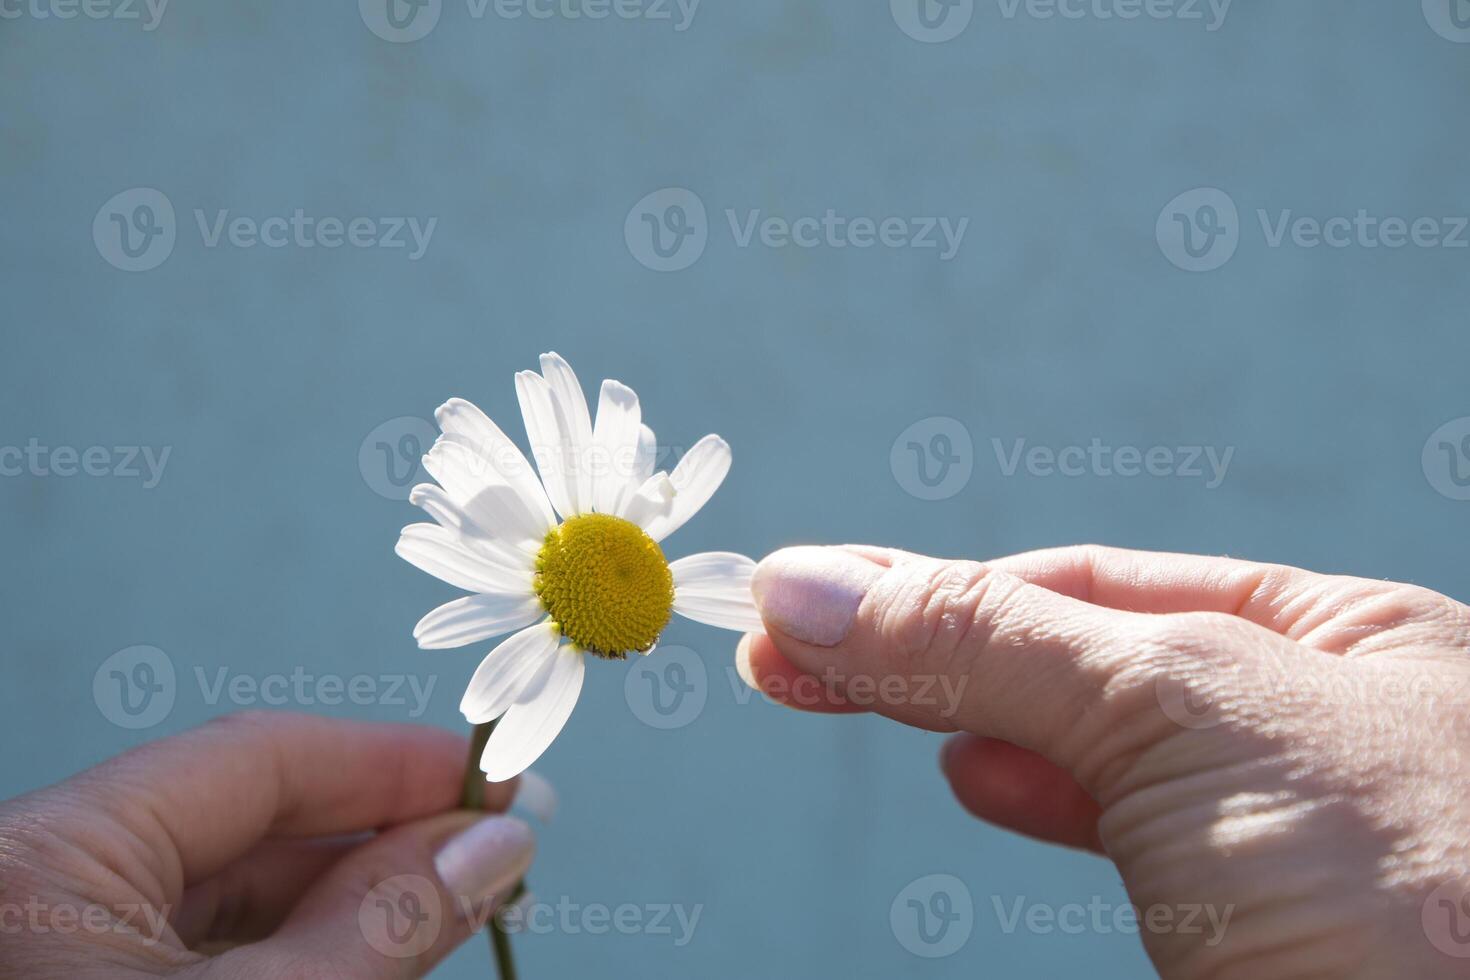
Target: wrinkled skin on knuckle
x,y
929,613
1161,673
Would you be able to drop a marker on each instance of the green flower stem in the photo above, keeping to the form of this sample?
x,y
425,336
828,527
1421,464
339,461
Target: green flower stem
x,y
473,798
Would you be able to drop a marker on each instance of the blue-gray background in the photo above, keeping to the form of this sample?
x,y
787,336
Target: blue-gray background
x,y
265,548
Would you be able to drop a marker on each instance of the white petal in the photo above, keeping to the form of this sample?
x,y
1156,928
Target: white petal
x,y
458,468
506,671
551,441
619,420
442,554
536,795
567,391
507,548
461,418
475,618
651,503
647,456
504,515
696,478
468,477
714,588
536,718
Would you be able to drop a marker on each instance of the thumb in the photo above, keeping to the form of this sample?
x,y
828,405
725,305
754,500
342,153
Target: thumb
x,y
956,645
402,902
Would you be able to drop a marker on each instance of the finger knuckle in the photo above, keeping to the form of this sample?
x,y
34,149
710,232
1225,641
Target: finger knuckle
x,y
1432,608
936,612
1192,636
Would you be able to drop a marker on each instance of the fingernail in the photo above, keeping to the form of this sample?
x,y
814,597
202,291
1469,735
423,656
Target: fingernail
x,y
813,594
742,663
487,859
536,795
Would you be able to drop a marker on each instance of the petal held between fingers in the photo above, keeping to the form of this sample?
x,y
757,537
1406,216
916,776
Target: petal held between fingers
x,y
714,588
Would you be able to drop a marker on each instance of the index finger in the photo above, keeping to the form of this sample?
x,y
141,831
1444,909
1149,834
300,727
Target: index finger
x,y
208,794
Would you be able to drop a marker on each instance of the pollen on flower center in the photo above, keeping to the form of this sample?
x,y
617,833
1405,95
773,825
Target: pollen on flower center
x,y
606,584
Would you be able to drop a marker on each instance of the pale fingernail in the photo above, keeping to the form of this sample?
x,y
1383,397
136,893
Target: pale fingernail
x,y
813,594
742,663
536,795
486,860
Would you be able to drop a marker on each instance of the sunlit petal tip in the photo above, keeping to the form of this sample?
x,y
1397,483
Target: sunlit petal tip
x,y
536,796
714,588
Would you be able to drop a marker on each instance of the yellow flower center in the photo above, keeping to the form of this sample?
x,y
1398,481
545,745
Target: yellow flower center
x,y
606,584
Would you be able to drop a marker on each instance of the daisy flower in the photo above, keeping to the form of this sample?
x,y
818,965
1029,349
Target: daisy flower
x,y
568,563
